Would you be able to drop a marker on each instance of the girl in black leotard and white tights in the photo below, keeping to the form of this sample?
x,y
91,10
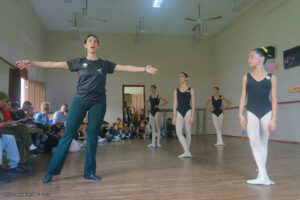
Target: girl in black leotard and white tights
x,y
217,112
183,113
261,112
154,116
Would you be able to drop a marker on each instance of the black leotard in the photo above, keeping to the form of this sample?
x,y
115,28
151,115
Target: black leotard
x,y
259,95
183,101
217,105
154,102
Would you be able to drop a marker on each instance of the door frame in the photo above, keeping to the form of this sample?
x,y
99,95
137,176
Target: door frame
x,y
123,97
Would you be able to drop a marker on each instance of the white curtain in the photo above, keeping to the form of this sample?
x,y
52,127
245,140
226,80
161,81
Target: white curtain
x,y
138,102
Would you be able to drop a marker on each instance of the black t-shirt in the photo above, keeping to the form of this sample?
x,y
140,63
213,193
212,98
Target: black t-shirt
x,y
92,77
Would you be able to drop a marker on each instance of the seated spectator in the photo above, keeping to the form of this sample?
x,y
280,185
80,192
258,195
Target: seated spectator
x,y
13,109
104,129
60,116
119,123
8,144
42,116
25,112
141,132
113,133
19,131
134,117
142,115
171,130
43,137
53,139
81,135
126,132
148,126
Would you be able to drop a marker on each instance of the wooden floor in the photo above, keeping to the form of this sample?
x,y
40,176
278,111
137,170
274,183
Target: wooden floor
x,y
130,170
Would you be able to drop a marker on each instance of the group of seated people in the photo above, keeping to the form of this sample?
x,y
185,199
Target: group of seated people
x,y
124,131
25,134
140,130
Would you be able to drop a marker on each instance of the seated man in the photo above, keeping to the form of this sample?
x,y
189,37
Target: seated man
x,y
60,116
8,144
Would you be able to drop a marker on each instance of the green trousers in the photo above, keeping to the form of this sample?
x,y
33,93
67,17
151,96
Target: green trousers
x,y
79,107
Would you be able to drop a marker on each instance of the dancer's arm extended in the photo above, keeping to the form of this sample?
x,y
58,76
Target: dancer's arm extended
x,y
294,89
242,103
129,68
56,65
272,124
63,65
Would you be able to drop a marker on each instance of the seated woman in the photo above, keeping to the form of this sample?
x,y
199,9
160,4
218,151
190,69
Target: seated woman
x,y
141,132
42,117
19,131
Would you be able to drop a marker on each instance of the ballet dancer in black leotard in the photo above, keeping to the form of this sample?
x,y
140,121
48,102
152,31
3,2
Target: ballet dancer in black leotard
x,y
183,113
261,112
154,115
217,112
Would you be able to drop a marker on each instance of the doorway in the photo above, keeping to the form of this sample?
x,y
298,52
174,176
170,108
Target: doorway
x,y
133,101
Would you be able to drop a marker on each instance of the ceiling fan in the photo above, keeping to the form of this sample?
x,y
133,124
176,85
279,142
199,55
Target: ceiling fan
x,y
140,30
89,17
200,20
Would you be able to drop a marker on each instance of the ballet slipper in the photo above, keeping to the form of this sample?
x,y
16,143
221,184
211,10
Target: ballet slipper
x,y
151,145
181,156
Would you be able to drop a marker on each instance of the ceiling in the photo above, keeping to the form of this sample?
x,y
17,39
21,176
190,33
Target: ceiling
x,y
123,15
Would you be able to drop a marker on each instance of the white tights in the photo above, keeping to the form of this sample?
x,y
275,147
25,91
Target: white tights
x,y
259,135
155,127
218,125
180,121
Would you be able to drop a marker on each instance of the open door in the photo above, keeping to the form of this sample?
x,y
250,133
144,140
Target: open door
x,y
133,98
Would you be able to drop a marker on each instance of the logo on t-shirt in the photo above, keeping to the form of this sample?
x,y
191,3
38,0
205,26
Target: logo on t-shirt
x,y
99,70
85,65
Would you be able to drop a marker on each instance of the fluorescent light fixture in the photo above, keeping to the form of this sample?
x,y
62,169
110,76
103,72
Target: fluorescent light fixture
x,y
240,4
157,3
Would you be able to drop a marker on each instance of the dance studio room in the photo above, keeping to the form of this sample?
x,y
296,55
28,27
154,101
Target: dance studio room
x,y
149,99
